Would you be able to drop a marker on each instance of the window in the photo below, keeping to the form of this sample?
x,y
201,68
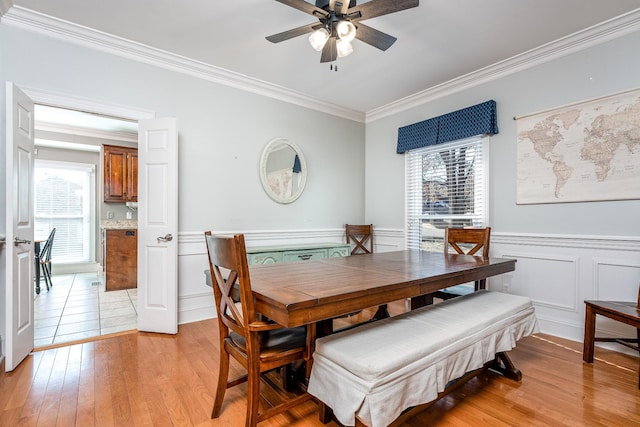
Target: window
x,y
445,188
64,201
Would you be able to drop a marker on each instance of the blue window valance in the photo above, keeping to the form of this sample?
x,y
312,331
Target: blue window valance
x,y
475,120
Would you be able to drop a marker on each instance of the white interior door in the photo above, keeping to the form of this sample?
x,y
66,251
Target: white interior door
x,y
19,227
158,225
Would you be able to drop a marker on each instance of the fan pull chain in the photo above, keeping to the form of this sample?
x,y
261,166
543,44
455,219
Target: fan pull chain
x,y
333,67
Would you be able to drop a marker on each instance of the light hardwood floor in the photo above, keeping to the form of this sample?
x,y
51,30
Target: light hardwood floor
x,y
164,380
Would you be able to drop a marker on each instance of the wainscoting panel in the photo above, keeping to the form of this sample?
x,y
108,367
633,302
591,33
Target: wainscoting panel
x,y
549,280
560,272
615,279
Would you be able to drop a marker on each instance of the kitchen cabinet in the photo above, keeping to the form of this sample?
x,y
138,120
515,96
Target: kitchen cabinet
x,y
120,174
120,258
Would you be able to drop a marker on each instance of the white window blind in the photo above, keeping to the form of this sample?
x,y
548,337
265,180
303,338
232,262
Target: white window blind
x,y
63,200
446,187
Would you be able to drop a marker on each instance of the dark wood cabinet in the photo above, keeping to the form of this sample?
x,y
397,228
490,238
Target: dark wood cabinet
x,y
121,259
120,174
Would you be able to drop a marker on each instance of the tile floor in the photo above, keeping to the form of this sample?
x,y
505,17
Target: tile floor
x,y
77,307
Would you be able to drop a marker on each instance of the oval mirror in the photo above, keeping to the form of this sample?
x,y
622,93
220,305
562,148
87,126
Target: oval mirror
x,y
283,171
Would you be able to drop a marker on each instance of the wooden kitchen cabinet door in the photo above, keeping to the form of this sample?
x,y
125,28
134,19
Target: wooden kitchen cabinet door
x,y
132,175
120,174
121,259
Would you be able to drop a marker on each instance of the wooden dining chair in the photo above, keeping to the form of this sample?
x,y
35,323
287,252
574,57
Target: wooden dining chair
x,y
45,259
465,241
260,346
621,311
361,236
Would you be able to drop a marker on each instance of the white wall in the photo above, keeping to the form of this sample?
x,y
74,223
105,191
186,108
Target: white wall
x,y
566,252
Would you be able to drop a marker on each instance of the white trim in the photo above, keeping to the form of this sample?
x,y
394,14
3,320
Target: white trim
x,y
81,131
64,30
598,263
274,237
43,142
616,243
73,102
571,260
73,33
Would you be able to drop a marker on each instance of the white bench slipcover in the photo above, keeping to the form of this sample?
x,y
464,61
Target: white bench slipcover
x,y
378,370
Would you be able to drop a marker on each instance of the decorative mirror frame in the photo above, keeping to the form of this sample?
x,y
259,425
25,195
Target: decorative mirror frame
x,y
272,146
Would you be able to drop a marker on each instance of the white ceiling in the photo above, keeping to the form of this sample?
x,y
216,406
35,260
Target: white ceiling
x,y
438,41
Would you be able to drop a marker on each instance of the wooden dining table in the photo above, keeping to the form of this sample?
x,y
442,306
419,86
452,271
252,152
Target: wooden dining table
x,y
294,294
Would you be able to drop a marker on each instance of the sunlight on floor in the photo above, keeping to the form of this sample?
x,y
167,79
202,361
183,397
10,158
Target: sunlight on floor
x,y
77,307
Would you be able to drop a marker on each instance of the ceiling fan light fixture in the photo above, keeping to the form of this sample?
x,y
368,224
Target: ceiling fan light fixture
x,y
346,31
344,48
318,38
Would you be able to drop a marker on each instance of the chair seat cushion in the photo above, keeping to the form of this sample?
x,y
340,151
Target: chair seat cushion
x,y
277,340
379,369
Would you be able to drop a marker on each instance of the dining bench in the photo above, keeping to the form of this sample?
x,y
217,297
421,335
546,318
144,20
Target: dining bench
x,y
370,374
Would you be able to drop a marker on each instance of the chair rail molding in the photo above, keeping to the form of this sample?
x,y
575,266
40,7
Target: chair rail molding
x,y
621,243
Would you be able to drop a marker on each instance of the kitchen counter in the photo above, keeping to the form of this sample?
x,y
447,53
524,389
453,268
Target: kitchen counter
x,y
119,224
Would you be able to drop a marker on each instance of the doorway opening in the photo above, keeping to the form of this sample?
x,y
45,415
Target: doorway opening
x,y
77,306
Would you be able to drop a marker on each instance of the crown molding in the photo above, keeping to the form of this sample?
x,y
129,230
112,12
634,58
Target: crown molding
x,y
583,39
67,31
63,30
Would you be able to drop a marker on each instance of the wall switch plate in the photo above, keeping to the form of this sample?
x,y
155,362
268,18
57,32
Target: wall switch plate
x,y
110,214
128,215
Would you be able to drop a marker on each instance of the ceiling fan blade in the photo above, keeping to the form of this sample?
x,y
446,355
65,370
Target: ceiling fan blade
x,y
374,37
295,32
376,8
329,51
305,7
342,7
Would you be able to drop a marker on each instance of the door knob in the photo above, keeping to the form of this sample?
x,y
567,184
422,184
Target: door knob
x,y
17,241
166,238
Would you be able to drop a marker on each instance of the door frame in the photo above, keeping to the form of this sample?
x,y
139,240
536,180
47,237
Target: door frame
x,y
73,102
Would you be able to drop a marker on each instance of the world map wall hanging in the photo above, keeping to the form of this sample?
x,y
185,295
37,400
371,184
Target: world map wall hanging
x,y
587,151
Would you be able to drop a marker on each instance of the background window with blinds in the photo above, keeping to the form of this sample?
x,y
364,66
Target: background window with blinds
x,y
64,201
446,187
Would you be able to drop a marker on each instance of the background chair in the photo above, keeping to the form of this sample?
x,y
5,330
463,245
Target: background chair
x,y
45,259
361,237
465,241
621,311
260,346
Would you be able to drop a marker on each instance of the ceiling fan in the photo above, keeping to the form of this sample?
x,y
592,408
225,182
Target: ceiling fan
x,y
339,23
